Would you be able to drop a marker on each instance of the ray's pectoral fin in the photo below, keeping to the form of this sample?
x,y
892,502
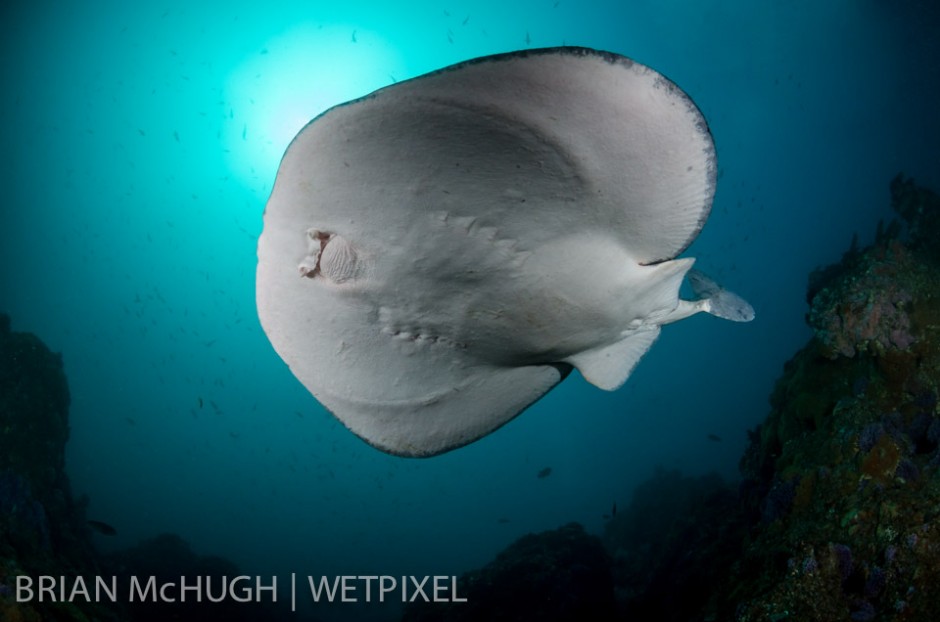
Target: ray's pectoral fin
x,y
429,424
608,367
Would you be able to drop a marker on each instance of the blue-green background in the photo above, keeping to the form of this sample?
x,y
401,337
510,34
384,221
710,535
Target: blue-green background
x,y
139,144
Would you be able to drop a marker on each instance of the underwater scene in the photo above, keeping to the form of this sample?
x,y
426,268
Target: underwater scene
x,y
377,311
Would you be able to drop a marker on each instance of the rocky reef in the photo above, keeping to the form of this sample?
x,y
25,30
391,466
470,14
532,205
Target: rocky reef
x,y
43,530
553,576
678,536
166,558
664,557
841,480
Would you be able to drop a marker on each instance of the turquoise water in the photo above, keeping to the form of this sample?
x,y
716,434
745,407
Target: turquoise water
x,y
140,145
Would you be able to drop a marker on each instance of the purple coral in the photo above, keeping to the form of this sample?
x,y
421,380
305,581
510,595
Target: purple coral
x,y
877,580
870,436
895,426
868,322
864,612
891,553
809,565
907,471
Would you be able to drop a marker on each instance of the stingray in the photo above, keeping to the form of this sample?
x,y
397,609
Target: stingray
x,y
439,254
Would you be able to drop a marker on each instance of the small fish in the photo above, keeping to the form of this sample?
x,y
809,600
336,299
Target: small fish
x,y
714,438
102,528
245,132
528,39
354,36
502,520
613,510
200,402
176,135
544,473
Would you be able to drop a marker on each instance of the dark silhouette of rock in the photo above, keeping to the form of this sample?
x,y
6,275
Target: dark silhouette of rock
x,y
673,546
167,558
42,529
553,576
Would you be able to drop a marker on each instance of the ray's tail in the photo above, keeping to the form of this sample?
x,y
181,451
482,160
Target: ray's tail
x,y
718,301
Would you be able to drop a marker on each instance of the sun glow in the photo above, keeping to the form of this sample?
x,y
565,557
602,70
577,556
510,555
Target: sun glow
x,y
291,79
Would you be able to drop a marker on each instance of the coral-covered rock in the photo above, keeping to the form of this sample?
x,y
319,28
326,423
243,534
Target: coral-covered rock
x,y
853,433
869,308
866,303
39,522
42,530
920,208
34,403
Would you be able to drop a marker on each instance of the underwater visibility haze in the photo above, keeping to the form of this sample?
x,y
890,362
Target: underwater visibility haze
x,y
141,145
